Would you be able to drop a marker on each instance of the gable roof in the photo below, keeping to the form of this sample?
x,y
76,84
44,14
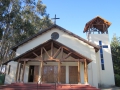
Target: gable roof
x,y
93,23
55,26
29,54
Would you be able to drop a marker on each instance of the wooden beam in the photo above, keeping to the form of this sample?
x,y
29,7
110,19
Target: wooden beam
x,y
41,70
41,53
46,52
23,71
85,72
52,50
59,72
61,53
17,72
35,54
79,80
5,68
29,59
57,52
67,55
81,60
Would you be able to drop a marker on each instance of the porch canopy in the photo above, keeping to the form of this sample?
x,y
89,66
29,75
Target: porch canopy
x,y
49,45
37,54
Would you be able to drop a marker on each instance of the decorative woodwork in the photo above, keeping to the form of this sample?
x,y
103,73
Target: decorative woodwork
x,y
56,73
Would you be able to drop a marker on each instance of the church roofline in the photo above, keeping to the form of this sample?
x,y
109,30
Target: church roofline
x,y
55,26
44,44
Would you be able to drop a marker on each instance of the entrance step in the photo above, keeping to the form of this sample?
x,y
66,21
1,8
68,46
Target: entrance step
x,y
35,86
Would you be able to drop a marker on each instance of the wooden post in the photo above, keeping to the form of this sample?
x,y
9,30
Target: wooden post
x,y
17,71
79,80
41,71
59,72
23,71
85,72
5,68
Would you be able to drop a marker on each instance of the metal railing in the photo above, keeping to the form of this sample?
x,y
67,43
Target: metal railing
x,y
56,80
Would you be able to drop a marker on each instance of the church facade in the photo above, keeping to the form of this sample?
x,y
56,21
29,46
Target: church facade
x,y
56,55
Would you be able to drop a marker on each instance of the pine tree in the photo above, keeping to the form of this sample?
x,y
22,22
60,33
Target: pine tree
x,y
19,19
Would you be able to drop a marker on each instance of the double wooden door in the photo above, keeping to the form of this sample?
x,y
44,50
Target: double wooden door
x,y
50,74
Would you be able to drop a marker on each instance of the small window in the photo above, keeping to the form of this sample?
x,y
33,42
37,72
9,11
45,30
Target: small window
x,y
9,69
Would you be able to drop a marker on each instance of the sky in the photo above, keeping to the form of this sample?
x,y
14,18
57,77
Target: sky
x,y
74,14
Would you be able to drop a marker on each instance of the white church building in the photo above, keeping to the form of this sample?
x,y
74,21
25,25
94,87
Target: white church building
x,y
58,55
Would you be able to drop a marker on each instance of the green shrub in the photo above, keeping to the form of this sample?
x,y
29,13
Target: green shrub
x,y
2,79
117,80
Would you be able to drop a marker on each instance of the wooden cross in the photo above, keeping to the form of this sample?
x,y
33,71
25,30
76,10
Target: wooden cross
x,y
55,19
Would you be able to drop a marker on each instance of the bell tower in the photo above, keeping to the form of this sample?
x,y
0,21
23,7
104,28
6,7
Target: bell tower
x,y
97,25
97,33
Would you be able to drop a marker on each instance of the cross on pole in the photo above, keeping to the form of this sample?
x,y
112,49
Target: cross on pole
x,y
55,19
101,54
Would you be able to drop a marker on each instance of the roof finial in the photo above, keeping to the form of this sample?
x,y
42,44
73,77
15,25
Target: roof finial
x,y
55,19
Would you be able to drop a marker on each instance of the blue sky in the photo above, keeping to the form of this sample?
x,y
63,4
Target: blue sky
x,y
74,14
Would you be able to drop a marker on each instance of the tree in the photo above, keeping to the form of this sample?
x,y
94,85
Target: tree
x,y
19,19
115,49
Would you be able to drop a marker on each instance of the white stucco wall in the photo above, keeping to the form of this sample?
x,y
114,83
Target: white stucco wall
x,y
105,77
64,38
10,78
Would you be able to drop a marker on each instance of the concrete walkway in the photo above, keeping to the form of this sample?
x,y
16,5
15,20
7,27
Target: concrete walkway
x,y
112,88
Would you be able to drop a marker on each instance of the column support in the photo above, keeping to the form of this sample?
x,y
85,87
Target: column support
x,y
16,78
85,72
19,72
23,71
41,71
59,72
79,80
67,74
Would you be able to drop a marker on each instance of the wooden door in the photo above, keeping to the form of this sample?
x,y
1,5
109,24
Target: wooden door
x,y
73,74
63,74
36,73
50,74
